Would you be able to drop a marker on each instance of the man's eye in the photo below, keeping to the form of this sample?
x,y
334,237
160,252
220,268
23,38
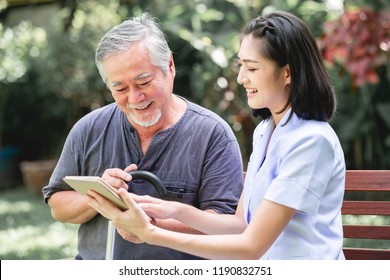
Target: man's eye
x,y
121,90
144,84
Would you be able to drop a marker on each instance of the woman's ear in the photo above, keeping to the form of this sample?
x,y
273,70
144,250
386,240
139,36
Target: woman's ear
x,y
287,75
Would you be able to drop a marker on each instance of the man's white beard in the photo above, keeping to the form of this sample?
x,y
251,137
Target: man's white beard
x,y
146,120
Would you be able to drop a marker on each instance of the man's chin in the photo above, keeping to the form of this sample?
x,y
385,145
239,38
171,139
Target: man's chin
x,y
144,121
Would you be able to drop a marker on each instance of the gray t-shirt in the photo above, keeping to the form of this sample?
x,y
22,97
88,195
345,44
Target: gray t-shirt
x,y
198,160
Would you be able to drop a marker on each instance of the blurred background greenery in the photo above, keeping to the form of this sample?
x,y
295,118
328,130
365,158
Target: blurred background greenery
x,y
27,230
48,78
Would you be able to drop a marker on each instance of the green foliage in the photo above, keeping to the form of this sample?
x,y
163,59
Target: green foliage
x,y
48,80
17,46
59,84
357,46
62,84
376,5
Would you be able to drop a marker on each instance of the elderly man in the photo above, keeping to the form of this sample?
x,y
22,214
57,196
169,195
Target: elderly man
x,y
191,149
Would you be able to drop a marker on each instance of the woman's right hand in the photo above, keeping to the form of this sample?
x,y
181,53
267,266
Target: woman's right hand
x,y
157,208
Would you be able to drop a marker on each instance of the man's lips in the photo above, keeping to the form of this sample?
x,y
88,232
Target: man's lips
x,y
139,107
143,107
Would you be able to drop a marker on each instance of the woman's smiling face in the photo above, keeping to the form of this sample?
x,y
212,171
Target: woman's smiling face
x,y
266,84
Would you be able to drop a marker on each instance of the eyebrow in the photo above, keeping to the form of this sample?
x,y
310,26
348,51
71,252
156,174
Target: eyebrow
x,y
247,60
139,77
143,76
114,84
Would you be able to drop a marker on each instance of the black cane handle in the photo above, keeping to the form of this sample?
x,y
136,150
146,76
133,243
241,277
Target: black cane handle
x,y
151,178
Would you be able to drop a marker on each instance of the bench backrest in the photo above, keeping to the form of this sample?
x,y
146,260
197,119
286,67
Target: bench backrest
x,y
363,182
366,182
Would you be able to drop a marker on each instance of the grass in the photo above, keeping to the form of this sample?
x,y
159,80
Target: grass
x,y
28,231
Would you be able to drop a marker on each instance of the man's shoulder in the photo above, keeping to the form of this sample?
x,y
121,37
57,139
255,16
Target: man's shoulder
x,y
104,110
203,120
96,115
202,113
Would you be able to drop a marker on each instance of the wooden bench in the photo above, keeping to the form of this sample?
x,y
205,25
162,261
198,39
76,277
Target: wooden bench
x,y
365,182
374,183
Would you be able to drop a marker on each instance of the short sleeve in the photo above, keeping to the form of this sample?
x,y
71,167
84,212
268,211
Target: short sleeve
x,y
67,165
304,174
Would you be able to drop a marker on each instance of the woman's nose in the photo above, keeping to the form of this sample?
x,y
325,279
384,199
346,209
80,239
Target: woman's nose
x,y
241,78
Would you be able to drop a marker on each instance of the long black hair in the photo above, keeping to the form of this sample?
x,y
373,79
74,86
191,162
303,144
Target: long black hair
x,y
287,40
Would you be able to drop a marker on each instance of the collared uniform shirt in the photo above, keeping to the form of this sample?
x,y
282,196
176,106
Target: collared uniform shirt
x,y
299,164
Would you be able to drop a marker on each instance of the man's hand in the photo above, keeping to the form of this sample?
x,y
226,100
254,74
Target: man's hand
x,y
117,177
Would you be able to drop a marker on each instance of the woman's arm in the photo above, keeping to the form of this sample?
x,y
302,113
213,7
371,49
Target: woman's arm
x,y
207,222
268,222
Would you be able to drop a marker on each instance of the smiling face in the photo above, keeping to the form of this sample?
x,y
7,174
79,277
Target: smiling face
x,y
141,90
266,84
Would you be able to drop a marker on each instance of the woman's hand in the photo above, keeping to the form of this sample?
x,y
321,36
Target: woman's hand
x,y
157,208
132,224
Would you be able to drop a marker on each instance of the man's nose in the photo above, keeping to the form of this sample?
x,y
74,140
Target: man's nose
x,y
135,95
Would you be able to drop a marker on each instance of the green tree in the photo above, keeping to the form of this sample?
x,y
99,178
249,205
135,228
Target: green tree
x,y
63,84
357,46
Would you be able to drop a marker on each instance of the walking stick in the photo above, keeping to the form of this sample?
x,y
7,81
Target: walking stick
x,y
162,192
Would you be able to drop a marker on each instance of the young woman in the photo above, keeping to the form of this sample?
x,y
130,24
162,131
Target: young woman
x,y
294,185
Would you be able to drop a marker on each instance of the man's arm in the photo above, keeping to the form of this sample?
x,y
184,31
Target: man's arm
x,y
70,207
